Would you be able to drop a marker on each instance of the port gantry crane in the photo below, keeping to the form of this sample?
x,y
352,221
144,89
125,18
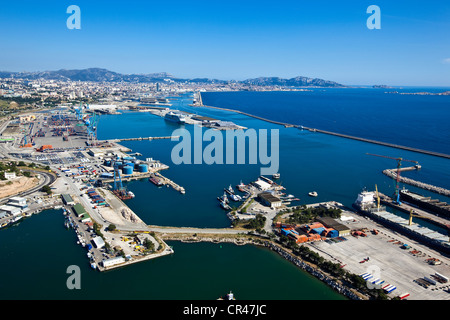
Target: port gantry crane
x,y
397,184
91,124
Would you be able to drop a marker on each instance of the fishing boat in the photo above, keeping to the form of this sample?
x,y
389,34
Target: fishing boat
x,y
230,190
224,205
235,197
241,187
223,198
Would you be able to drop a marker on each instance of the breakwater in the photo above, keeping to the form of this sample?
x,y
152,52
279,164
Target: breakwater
x,y
313,271
287,125
393,174
386,144
290,125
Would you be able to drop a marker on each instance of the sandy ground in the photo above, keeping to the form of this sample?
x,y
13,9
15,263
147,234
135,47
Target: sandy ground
x,y
19,184
118,213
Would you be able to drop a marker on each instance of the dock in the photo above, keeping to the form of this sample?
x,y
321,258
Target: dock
x,y
143,138
168,182
405,207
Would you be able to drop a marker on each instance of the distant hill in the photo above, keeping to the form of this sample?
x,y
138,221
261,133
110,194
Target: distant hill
x,y
293,82
104,75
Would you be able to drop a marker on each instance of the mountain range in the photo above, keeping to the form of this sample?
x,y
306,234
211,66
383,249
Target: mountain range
x,y
104,75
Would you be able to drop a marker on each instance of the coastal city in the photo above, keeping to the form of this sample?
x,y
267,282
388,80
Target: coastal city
x,y
51,158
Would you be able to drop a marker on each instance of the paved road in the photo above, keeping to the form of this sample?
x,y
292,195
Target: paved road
x,y
47,179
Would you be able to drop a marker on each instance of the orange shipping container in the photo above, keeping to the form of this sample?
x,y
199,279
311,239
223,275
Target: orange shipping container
x,y
315,225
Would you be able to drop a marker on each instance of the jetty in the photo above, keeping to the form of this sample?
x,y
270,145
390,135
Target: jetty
x,y
168,182
143,138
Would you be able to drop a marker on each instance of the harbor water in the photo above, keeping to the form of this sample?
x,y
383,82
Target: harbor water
x,y
337,168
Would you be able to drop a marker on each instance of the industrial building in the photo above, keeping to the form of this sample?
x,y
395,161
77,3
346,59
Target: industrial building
x,y
270,200
262,185
98,242
113,261
18,202
332,223
79,210
10,210
67,199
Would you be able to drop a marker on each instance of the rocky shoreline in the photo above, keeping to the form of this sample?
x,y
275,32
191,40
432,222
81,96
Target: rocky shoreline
x,y
316,273
285,254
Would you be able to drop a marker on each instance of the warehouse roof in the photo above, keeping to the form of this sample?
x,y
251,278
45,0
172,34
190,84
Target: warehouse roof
x,y
332,223
79,209
67,198
269,197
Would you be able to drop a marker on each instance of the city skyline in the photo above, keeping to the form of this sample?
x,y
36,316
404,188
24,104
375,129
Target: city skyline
x,y
235,41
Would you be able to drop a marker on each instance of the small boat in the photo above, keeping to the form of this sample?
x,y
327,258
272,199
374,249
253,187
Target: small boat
x,y
93,265
276,176
240,186
223,198
235,197
224,205
229,296
230,190
313,194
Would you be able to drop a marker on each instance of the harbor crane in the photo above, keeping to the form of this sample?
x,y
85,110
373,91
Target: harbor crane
x,y
399,164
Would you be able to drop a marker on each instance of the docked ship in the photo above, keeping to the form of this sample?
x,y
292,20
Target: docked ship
x,y
223,198
224,205
175,117
241,187
366,204
425,203
123,194
156,180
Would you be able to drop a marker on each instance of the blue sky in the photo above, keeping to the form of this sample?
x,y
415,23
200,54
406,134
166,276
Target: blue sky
x,y
234,39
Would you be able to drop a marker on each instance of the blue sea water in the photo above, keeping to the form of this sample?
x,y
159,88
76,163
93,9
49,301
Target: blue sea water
x,y
419,121
337,168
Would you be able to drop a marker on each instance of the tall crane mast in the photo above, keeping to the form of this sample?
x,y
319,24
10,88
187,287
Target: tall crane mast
x,y
399,164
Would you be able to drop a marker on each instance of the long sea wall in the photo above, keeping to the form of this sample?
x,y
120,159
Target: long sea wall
x,y
386,144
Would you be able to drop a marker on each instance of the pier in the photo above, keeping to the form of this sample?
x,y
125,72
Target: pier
x,y
143,138
406,208
168,182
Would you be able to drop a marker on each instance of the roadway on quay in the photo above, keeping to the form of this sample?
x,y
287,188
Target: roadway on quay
x,y
47,179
